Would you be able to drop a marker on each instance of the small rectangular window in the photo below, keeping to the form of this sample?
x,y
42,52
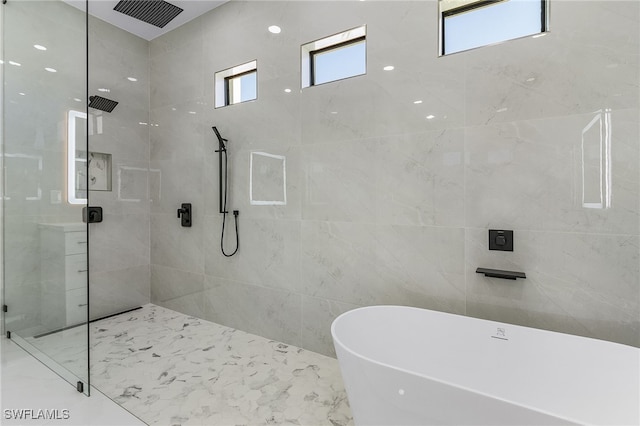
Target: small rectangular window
x,y
338,62
334,58
241,88
236,85
467,24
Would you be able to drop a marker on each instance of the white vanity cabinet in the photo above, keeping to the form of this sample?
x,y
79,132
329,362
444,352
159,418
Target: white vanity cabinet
x,y
63,247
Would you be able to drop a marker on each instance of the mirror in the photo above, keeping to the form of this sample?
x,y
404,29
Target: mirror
x,y
76,160
97,166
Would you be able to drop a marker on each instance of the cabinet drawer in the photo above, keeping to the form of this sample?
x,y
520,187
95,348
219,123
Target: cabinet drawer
x,y
76,306
75,271
75,242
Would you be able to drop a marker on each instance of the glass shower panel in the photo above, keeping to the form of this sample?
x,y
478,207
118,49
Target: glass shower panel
x,y
45,241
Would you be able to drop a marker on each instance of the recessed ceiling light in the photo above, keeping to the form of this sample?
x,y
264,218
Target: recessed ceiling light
x,y
430,117
502,109
21,94
275,29
334,112
417,102
15,64
173,109
142,123
531,79
77,99
287,90
50,69
102,89
192,112
39,47
389,68
132,79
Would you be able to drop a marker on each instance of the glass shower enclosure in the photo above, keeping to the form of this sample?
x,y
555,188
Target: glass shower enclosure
x,y
44,181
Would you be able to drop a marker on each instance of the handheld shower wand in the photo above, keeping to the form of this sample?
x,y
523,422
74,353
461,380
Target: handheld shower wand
x,y
222,149
221,140
224,188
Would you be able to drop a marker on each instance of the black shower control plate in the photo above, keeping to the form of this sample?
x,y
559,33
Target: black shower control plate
x,y
500,240
184,214
92,214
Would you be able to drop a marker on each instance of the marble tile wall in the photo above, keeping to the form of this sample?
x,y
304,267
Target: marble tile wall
x,y
119,247
385,206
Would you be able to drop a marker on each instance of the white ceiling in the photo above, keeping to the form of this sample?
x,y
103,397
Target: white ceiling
x,y
103,9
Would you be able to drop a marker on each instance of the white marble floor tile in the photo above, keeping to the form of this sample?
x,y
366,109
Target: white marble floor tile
x,y
168,368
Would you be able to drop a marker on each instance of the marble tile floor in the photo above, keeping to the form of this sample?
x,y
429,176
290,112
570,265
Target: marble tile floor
x,y
27,384
172,369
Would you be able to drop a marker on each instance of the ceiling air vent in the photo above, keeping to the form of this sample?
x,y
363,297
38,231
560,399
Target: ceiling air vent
x,y
154,12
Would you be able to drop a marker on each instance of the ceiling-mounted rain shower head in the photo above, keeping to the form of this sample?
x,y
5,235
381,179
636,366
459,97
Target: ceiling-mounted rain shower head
x,y
154,12
103,104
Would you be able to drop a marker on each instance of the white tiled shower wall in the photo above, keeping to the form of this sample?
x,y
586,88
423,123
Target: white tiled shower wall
x,y
119,247
385,206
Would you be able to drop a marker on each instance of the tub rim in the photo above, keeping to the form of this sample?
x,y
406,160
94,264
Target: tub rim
x,y
457,386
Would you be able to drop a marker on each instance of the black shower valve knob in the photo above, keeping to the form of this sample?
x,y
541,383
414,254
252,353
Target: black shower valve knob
x,y
92,214
500,239
184,213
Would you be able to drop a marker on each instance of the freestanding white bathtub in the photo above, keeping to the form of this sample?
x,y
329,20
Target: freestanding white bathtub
x,y
408,366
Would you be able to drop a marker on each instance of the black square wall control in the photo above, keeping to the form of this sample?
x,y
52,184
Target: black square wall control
x,y
500,240
92,214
